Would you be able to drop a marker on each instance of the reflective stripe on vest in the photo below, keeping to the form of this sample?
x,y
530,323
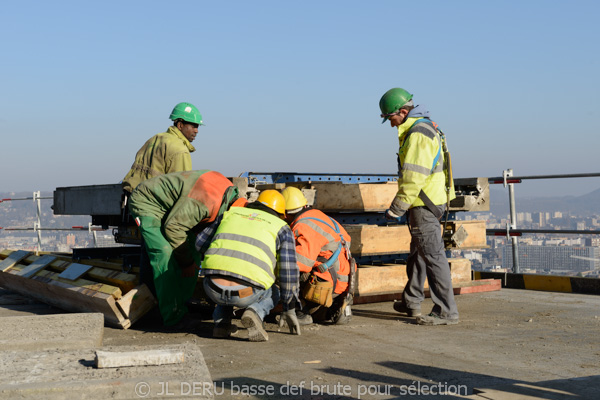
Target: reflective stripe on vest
x,y
333,261
245,244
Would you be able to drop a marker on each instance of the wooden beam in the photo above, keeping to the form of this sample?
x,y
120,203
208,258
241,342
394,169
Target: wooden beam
x,y
377,196
367,197
136,303
36,266
66,296
12,259
82,284
392,278
395,239
125,282
487,285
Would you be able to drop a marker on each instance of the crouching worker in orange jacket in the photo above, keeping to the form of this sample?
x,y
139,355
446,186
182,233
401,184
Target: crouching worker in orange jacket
x,y
327,269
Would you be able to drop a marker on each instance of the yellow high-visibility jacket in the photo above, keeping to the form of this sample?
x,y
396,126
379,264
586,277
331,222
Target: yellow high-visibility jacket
x,y
419,145
245,244
162,154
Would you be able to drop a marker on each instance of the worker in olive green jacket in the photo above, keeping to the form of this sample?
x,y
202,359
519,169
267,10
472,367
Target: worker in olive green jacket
x,y
167,209
168,151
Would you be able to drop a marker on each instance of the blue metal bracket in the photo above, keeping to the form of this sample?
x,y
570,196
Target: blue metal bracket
x,y
288,177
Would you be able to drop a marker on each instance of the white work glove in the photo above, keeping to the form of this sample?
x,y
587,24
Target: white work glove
x,y
290,318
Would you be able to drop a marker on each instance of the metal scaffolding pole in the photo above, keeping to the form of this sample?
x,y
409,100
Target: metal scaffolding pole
x,y
519,179
38,224
513,218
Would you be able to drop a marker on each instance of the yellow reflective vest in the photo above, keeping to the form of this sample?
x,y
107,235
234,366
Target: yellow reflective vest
x,y
163,153
245,244
420,143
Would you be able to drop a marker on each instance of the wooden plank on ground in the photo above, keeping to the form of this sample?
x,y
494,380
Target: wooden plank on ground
x,y
122,280
392,278
487,285
36,266
484,285
74,271
12,259
83,284
136,303
66,296
115,265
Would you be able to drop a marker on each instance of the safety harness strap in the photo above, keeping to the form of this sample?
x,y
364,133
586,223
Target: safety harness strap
x,y
422,195
324,267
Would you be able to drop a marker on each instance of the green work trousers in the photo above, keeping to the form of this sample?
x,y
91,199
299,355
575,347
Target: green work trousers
x,y
172,289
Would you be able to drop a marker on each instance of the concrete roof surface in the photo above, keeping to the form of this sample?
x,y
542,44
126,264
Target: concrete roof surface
x,y
509,344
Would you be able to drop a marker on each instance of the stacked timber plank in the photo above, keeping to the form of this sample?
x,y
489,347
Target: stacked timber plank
x,y
371,240
93,286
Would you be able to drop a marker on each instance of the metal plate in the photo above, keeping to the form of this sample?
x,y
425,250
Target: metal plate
x,y
74,271
13,259
36,266
459,236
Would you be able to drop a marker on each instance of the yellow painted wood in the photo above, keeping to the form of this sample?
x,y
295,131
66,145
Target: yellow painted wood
x,y
66,296
548,283
83,284
123,281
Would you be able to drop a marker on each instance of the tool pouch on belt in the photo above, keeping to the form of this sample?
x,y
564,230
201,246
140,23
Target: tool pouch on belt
x,y
320,292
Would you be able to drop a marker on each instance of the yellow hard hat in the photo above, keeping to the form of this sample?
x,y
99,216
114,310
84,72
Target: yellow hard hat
x,y
294,198
272,199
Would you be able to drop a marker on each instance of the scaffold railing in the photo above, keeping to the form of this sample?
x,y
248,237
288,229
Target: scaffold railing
x,y
37,225
508,180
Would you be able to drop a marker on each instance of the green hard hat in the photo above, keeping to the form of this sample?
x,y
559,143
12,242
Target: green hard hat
x,y
187,112
392,101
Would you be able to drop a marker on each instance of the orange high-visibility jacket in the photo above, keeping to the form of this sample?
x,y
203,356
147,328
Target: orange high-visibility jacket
x,y
315,244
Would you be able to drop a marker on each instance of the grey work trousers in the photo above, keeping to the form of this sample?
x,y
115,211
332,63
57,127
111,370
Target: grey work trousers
x,y
427,259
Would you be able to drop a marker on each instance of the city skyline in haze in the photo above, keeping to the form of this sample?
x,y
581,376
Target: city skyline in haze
x,y
294,87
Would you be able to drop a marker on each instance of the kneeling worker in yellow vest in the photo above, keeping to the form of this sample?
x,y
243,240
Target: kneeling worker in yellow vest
x,y
324,260
246,253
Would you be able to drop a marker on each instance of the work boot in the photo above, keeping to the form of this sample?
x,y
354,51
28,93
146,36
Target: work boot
x,y
401,307
303,319
224,330
434,319
342,316
252,322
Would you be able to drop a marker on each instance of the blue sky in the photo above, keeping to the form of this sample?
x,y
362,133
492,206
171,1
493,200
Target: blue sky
x,y
295,86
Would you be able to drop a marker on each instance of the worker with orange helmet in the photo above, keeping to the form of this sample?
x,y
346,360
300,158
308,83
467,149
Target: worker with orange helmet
x,y
246,253
324,260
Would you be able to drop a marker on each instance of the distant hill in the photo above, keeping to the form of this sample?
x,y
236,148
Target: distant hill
x,y
585,205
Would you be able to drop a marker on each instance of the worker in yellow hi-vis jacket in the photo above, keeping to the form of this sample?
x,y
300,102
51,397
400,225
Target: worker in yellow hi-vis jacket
x,y
424,189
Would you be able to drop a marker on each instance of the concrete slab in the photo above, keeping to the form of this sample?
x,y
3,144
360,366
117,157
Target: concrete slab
x,y
63,374
504,338
45,332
